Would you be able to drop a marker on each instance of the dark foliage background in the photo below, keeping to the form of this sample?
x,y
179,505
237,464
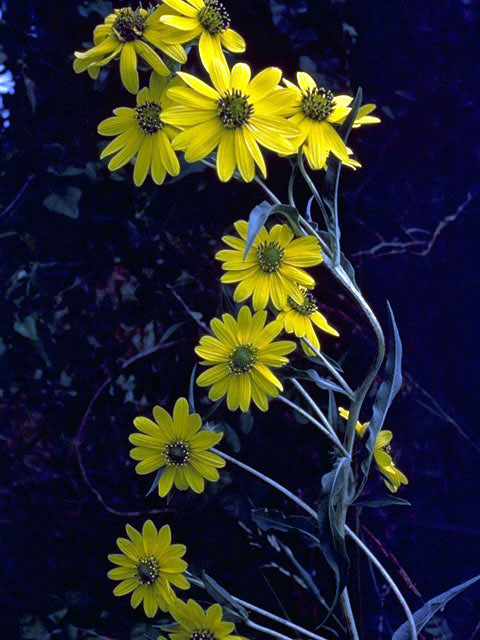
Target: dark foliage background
x,y
86,283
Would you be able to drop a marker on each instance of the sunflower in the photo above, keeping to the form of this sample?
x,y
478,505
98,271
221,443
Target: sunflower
x,y
315,110
240,355
194,623
234,116
141,132
148,565
271,269
178,444
208,19
126,33
393,477
299,318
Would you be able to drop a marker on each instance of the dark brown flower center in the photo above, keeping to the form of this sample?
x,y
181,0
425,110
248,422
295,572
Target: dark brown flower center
x,y
148,570
308,306
129,24
270,256
214,17
234,109
177,453
148,117
317,103
202,634
242,359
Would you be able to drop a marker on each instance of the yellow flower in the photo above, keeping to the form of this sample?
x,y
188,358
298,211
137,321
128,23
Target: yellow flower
x,y
197,624
234,116
272,267
314,112
393,477
142,132
208,19
178,444
240,356
299,318
148,565
128,33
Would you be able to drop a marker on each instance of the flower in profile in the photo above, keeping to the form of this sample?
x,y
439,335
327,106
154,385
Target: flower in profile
x,y
141,132
315,110
194,623
240,355
208,20
178,444
271,269
148,565
300,318
128,33
234,117
393,477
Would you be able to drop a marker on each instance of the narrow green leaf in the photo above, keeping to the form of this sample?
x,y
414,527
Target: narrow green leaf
x,y
380,501
313,376
430,608
220,595
158,475
256,220
170,331
191,387
290,214
267,519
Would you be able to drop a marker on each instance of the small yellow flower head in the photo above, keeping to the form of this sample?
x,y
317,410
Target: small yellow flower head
x,y
393,477
128,33
194,623
210,22
178,444
148,565
240,356
300,318
233,117
272,269
141,132
315,110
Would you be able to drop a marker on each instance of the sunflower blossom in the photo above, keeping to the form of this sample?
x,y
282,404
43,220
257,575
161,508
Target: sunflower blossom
x,y
393,477
148,565
300,318
272,269
178,444
233,117
210,22
128,33
195,623
315,110
141,132
240,355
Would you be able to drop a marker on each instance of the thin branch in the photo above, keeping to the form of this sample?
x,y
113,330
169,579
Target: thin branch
x,y
191,313
19,196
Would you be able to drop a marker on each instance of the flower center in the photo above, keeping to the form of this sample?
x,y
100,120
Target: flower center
x,y
317,103
270,256
177,453
214,17
202,634
234,109
148,117
129,24
242,359
308,307
148,570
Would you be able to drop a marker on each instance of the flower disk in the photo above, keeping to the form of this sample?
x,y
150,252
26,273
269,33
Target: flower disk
x,y
128,33
210,22
240,356
178,444
271,269
194,623
299,318
148,565
234,118
141,132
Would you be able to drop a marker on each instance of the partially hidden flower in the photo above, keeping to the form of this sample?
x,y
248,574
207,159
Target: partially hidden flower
x,y
210,22
233,117
315,112
393,477
241,354
272,268
141,132
148,567
177,444
129,33
301,318
195,623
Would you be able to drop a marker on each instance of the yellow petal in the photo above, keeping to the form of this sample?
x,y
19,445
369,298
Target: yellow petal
x,y
128,67
143,161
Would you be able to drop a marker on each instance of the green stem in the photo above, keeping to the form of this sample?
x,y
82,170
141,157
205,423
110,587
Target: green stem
x,y
314,406
348,613
269,193
291,182
312,186
339,378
